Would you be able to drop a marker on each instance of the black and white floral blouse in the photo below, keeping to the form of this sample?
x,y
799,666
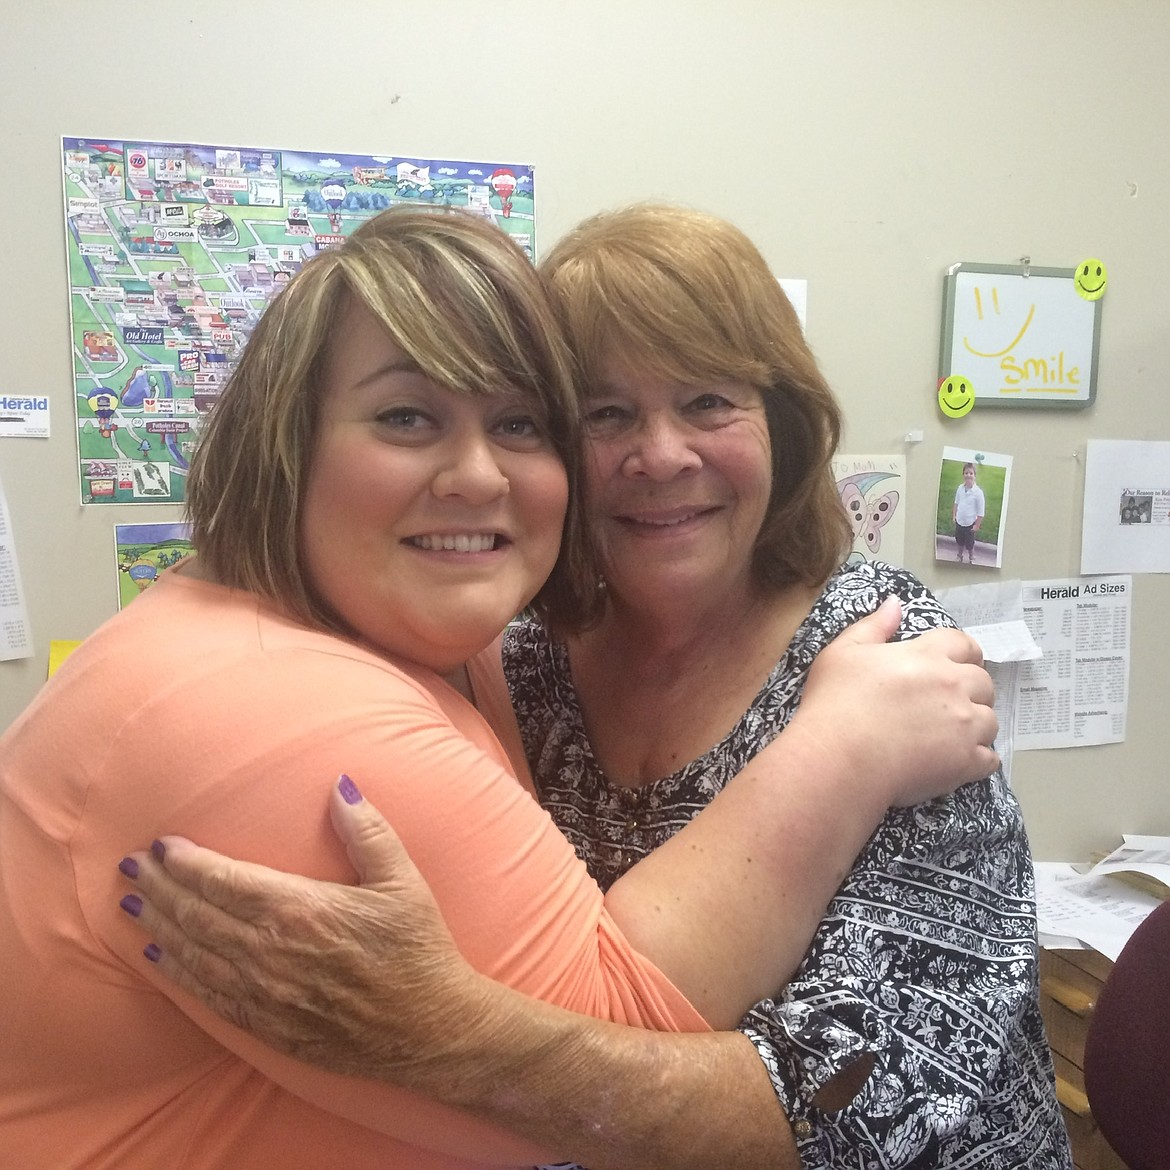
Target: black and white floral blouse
x,y
926,958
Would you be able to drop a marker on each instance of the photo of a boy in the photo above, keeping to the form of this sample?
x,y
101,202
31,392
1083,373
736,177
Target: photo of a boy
x,y
967,513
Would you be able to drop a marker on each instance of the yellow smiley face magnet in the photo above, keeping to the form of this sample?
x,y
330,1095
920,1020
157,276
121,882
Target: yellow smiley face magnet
x,y
956,396
1090,280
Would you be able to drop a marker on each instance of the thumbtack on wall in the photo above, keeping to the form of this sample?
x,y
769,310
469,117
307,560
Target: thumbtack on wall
x,y
1026,265
913,437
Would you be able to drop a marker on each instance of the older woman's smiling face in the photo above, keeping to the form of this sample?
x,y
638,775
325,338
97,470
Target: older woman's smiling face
x,y
430,518
678,478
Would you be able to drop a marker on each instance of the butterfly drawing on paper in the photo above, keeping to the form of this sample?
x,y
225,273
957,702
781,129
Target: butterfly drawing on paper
x,y
868,513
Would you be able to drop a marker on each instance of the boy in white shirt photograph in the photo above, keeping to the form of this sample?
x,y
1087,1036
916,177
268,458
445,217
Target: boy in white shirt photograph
x,y
967,513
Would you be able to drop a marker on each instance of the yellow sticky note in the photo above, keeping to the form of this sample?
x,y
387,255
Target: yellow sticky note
x,y
58,652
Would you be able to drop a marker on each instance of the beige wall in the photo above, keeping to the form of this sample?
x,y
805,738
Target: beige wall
x,y
865,146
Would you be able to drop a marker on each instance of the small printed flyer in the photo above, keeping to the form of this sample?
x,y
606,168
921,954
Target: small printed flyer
x,y
15,628
24,416
1077,694
1127,507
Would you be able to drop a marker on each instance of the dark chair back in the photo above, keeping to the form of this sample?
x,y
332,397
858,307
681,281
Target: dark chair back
x,y
1127,1050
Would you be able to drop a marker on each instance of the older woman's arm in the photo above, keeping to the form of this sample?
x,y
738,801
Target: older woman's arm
x,y
316,969
943,1010
785,832
607,1095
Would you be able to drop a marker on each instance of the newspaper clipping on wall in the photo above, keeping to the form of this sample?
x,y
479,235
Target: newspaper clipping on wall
x,y
1077,693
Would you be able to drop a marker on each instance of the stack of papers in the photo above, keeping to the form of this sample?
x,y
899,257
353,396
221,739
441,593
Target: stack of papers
x,y
1102,906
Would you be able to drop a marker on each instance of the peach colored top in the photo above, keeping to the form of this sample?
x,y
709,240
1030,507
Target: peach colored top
x,y
200,711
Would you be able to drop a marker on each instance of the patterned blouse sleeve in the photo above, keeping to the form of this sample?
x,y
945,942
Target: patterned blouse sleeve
x,y
924,970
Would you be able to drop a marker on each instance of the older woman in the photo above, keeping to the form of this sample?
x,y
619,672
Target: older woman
x,y
709,432
381,488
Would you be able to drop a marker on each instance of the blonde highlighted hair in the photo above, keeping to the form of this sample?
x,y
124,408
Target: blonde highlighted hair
x,y
460,299
683,295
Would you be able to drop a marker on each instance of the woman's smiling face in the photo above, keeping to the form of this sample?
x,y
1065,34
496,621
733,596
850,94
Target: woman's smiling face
x,y
430,518
678,480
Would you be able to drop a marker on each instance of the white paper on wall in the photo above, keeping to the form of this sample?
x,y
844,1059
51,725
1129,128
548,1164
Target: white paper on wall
x,y
1126,526
15,630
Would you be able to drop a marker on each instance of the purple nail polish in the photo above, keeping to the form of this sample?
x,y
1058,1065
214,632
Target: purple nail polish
x,y
153,952
129,867
159,850
349,790
132,904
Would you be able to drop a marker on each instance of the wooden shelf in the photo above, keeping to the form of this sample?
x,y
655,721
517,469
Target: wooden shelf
x,y
1069,984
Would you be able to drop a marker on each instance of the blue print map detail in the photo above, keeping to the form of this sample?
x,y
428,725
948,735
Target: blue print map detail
x,y
175,249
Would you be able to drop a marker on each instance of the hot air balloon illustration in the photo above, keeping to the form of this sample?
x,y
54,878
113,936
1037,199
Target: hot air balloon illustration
x,y
333,194
504,184
103,402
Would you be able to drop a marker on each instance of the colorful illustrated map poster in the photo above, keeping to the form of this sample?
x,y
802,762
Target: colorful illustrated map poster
x,y
144,551
174,251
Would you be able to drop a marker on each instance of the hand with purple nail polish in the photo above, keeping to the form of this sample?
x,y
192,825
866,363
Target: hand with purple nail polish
x,y
238,937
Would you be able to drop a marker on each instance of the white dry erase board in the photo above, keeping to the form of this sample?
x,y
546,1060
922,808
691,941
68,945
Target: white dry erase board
x,y
1020,336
